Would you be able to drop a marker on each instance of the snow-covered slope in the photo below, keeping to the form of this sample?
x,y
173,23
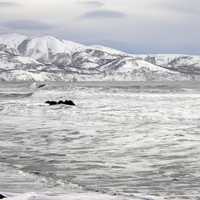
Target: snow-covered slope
x,y
108,50
12,40
73,46
182,63
42,48
48,58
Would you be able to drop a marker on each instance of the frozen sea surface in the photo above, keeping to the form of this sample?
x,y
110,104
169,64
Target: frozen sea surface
x,y
122,141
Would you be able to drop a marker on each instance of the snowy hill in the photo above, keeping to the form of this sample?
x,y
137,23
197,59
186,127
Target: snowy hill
x,y
12,40
50,59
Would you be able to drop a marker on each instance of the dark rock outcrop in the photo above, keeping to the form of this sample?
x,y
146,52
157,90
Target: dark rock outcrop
x,y
61,102
2,196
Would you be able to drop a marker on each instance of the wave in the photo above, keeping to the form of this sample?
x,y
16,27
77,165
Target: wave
x,y
58,189
70,196
15,95
20,91
75,196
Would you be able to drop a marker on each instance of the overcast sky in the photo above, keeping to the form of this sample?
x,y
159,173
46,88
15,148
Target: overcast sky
x,y
136,26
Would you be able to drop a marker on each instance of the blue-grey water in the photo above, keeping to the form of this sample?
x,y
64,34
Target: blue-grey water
x,y
123,139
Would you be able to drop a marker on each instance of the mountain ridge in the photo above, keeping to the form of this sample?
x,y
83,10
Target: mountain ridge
x,y
47,58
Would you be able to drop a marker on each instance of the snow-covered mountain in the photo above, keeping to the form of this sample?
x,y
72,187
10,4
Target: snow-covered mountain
x,y
50,59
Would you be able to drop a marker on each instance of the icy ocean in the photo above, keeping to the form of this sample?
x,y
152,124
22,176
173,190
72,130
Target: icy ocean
x,y
122,141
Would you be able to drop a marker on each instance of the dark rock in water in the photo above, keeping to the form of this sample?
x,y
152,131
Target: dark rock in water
x,y
51,103
60,102
41,86
66,102
2,196
69,102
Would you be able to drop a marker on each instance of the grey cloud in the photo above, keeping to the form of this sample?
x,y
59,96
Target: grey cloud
x,y
103,14
92,3
191,7
8,4
26,25
149,26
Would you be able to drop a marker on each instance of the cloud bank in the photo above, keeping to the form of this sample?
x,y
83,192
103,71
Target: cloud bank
x,y
26,25
145,26
4,4
103,14
91,3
